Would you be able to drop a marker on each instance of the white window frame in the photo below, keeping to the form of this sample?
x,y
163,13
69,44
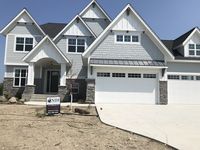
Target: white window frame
x,y
195,50
131,34
19,76
76,38
24,36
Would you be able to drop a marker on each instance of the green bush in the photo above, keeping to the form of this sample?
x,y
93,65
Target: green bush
x,y
1,88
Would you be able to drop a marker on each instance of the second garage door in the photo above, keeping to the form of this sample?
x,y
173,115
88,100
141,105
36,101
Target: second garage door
x,y
126,88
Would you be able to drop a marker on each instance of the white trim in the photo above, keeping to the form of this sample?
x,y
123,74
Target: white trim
x,y
6,47
16,64
23,11
131,36
40,43
146,67
185,61
94,1
91,47
24,44
183,73
73,37
15,68
69,24
189,37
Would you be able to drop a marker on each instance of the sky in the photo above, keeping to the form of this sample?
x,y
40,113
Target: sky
x,y
168,18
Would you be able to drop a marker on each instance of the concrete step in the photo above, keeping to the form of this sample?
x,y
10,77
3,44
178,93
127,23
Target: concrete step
x,y
41,97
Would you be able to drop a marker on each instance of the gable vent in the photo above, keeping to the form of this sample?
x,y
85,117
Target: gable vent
x,y
128,11
93,5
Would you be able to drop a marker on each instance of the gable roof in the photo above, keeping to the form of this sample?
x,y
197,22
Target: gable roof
x,y
98,5
39,44
68,25
179,41
52,29
104,33
12,23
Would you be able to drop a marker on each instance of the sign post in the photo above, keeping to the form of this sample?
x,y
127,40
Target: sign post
x,y
53,105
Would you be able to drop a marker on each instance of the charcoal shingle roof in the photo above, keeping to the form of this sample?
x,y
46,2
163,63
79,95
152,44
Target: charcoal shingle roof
x,y
52,29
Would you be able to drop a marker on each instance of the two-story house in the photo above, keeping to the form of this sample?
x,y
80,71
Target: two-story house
x,y
101,60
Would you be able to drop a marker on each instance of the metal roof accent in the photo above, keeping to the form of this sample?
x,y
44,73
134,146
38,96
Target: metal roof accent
x,y
96,61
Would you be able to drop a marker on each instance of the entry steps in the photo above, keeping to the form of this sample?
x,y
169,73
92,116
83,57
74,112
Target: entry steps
x,y
41,97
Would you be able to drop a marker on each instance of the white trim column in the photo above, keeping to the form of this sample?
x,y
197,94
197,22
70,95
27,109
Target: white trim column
x,y
63,75
31,74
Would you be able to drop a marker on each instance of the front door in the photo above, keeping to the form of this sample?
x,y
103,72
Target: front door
x,y
52,81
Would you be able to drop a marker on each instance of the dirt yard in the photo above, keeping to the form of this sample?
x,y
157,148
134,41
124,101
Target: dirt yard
x,y
25,127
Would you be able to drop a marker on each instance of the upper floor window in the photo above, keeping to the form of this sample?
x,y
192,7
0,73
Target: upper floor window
x,y
24,44
127,38
20,77
76,45
194,49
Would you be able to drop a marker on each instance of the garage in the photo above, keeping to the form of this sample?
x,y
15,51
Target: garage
x,y
183,89
119,87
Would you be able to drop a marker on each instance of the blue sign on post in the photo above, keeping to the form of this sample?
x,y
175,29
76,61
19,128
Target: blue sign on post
x,y
53,105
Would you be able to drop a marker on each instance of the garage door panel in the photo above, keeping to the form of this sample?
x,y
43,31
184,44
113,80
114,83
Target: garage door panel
x,y
184,92
125,90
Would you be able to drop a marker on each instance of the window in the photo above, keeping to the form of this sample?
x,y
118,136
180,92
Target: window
x,y
134,75
120,38
184,77
75,88
127,38
103,74
119,75
197,77
135,38
76,45
24,44
149,75
173,77
194,50
20,77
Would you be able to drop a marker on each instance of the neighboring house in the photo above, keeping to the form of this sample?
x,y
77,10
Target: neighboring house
x,y
102,60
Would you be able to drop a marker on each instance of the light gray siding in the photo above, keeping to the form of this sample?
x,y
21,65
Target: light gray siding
x,y
26,29
16,57
78,70
108,49
183,67
10,70
97,25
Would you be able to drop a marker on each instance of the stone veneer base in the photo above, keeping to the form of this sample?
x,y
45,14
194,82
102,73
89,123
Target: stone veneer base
x,y
163,92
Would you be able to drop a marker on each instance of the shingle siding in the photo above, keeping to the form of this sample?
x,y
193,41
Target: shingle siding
x,y
108,49
76,59
16,57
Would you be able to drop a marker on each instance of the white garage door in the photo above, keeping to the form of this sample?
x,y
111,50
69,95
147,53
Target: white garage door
x,y
183,89
131,88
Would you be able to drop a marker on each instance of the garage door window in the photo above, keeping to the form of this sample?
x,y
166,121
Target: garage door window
x,y
103,74
187,77
173,77
134,75
149,75
197,77
119,75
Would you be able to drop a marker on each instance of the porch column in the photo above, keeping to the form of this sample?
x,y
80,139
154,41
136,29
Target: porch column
x,y
31,74
63,75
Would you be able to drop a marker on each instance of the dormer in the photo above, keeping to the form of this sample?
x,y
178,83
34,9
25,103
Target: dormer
x,y
192,44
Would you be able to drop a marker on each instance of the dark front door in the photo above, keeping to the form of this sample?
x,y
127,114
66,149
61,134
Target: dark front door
x,y
52,81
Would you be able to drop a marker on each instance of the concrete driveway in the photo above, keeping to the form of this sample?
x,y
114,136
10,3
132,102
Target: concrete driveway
x,y
175,125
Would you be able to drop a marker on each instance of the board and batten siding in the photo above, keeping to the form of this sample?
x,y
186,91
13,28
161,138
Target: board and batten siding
x,y
21,31
78,69
109,49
